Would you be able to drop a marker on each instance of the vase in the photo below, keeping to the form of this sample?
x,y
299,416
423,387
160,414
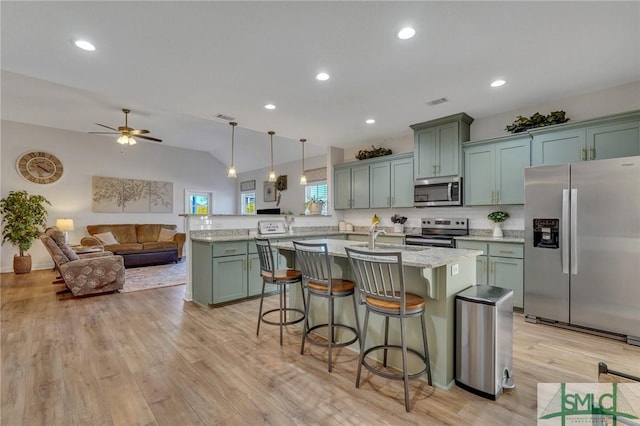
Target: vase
x,y
398,228
22,264
315,209
497,230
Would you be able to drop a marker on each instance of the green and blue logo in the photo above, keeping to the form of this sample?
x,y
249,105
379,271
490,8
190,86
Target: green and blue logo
x,y
580,403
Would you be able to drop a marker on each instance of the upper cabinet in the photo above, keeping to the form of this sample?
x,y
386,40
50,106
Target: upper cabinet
x,y
607,137
437,145
494,170
379,182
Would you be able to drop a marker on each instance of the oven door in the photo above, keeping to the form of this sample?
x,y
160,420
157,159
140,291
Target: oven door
x,y
419,240
437,192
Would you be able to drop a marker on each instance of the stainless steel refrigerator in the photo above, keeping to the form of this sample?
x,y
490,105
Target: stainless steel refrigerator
x,y
582,245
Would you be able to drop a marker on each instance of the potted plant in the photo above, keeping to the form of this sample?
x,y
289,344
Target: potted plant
x,y
315,205
23,216
497,218
398,223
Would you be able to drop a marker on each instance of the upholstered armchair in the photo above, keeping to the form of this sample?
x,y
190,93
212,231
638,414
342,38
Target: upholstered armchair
x,y
84,274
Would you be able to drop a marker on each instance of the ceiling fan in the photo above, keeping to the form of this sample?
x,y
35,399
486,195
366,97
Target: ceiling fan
x,y
126,133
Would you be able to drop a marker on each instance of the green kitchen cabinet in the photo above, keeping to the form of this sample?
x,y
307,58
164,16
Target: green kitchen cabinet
x,y
351,187
494,170
229,278
606,137
437,145
219,271
500,265
201,272
391,183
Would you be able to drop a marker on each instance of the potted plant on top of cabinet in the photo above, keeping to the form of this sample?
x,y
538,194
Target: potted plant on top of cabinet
x,y
23,216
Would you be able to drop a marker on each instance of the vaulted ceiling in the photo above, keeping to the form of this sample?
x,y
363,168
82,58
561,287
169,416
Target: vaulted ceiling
x,y
178,64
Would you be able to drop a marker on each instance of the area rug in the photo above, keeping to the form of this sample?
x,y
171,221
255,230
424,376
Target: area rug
x,y
150,277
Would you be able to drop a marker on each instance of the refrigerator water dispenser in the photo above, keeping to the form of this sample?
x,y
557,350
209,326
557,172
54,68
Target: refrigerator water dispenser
x,y
546,233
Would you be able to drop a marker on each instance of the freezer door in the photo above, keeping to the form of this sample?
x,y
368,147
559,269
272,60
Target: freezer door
x,y
546,286
605,280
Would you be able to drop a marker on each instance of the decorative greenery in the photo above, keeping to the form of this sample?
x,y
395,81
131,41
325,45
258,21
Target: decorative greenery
x,y
363,154
398,219
498,216
315,200
522,124
22,216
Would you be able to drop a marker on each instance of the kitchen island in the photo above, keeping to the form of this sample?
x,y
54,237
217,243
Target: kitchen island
x,y
437,274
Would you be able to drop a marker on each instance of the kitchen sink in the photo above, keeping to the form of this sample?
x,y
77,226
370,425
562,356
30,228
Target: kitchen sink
x,y
393,247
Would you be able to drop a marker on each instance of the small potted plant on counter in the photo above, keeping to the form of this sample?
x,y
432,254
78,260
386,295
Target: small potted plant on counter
x,y
398,223
497,218
314,205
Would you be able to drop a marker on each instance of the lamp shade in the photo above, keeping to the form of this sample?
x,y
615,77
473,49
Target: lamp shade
x,y
64,224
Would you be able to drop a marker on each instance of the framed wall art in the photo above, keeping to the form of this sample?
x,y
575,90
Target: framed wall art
x,y
269,191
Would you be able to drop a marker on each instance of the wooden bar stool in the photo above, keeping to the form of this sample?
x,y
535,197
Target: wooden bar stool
x,y
282,278
316,271
380,280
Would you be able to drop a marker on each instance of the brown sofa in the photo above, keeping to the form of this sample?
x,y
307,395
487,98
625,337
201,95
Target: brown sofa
x,y
84,274
138,243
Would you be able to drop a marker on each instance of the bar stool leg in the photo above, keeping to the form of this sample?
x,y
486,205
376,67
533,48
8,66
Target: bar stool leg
x,y
330,336
362,346
386,340
355,312
260,310
305,323
426,350
405,372
283,303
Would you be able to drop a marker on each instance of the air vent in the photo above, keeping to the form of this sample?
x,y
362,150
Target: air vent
x,y
437,101
224,117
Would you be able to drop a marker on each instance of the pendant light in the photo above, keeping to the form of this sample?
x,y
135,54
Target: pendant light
x,y
232,169
303,177
272,173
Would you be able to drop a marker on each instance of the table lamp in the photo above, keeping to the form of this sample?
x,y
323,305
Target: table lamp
x,y
65,225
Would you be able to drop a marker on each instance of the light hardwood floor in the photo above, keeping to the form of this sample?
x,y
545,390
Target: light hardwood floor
x,y
150,358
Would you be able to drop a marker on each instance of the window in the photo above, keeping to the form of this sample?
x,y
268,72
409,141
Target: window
x,y
317,190
248,200
198,202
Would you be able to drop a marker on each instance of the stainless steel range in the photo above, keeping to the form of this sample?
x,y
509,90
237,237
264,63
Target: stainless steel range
x,y
439,232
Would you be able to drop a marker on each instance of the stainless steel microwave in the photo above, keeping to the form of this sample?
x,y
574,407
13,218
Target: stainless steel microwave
x,y
446,191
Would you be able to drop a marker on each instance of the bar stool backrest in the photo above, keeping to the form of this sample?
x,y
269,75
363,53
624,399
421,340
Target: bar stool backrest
x,y
378,275
313,259
265,253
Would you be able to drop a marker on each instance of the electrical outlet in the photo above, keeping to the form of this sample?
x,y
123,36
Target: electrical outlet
x,y
455,269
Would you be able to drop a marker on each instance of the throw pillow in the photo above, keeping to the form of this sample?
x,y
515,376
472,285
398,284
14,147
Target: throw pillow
x,y
106,238
58,237
166,234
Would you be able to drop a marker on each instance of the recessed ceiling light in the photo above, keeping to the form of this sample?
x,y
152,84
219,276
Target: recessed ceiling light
x,y
406,33
85,45
270,106
498,83
323,76
370,121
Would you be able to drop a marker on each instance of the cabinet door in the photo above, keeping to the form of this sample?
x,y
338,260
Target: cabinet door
x,y
479,175
511,159
380,184
614,141
562,147
201,269
229,278
448,155
360,187
481,270
401,183
254,279
508,273
342,188
425,153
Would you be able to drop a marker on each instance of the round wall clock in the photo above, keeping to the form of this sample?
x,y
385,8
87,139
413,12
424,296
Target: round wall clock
x,y
39,167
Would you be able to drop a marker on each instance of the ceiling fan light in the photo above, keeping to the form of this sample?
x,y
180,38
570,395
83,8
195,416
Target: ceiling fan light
x,y
132,141
232,172
123,140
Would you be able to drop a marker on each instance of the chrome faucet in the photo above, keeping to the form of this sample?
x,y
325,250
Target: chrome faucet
x,y
373,234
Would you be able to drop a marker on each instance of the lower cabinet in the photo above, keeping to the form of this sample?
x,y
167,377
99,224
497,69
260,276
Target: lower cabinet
x,y
229,278
219,271
500,265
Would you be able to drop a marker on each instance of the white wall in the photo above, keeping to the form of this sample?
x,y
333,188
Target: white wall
x,y
84,156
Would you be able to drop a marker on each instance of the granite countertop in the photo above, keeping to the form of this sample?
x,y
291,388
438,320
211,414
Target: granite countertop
x,y
420,257
492,239
246,236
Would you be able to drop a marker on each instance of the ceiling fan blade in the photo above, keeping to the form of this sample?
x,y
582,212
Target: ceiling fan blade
x,y
139,131
104,133
149,138
102,125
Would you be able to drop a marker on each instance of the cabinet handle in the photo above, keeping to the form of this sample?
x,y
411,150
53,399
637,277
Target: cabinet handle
x,y
491,266
393,200
244,264
388,201
231,250
592,153
484,265
506,251
434,169
583,154
497,197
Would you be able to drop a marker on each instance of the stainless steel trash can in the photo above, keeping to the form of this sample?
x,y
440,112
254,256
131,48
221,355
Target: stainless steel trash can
x,y
484,335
